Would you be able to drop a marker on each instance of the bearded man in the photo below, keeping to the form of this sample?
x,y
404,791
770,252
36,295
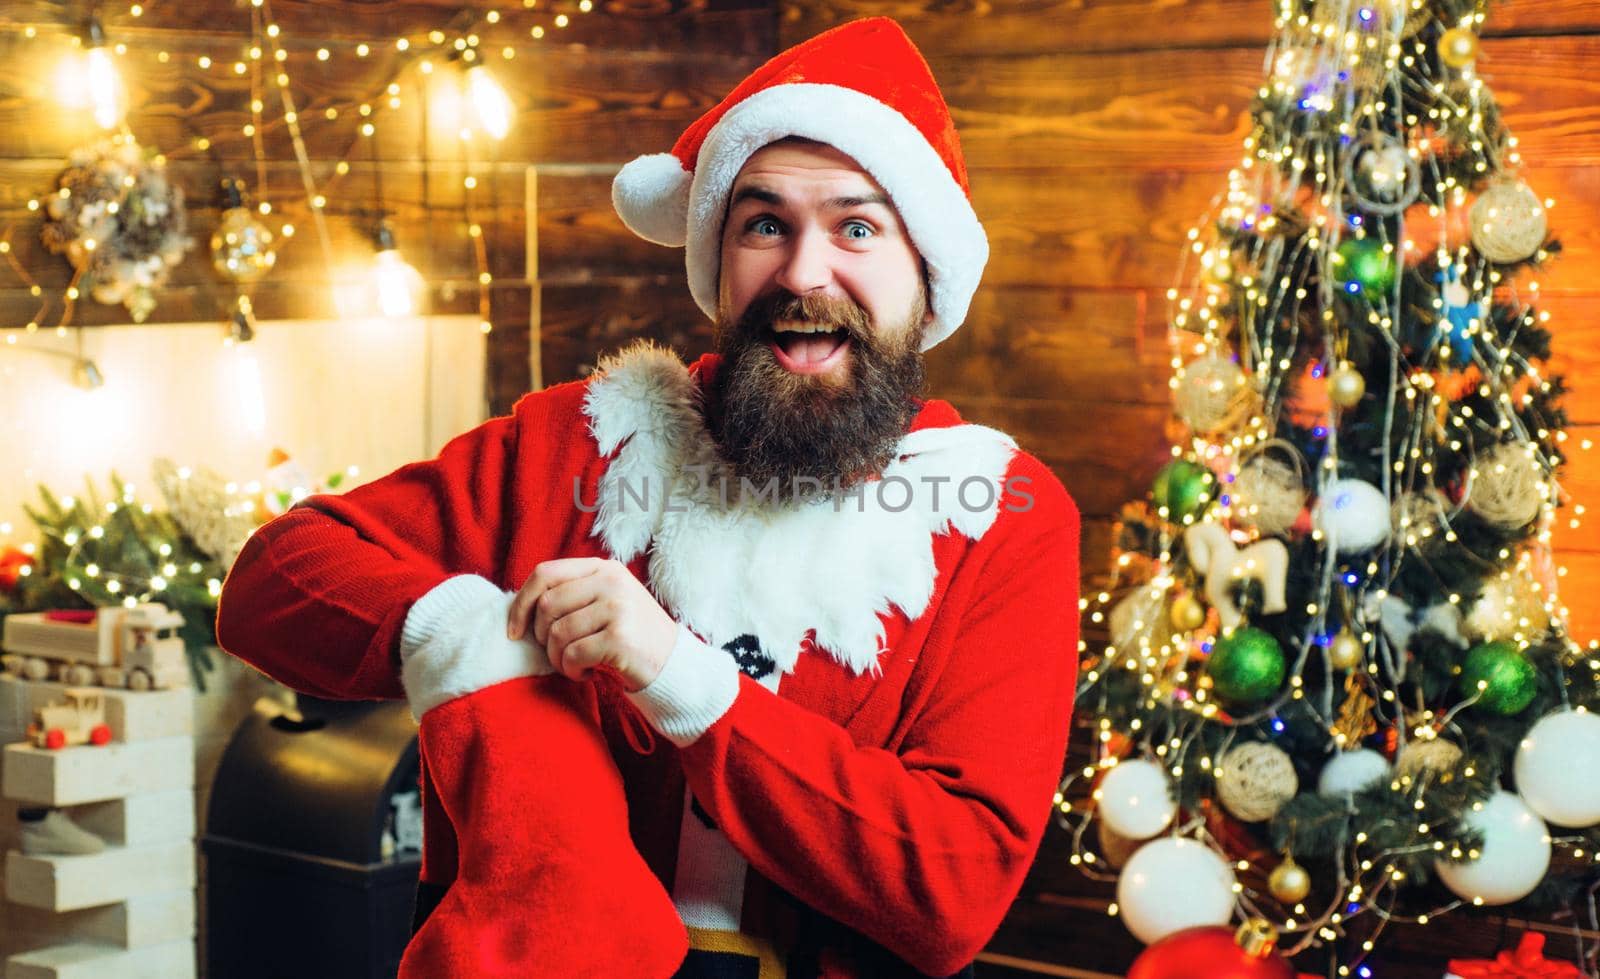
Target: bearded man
x,y
848,616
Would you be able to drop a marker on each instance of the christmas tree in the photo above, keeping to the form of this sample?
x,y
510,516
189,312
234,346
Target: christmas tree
x,y
1337,688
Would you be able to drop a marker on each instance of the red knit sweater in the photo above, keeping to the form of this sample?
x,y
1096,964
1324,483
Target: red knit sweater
x,y
888,801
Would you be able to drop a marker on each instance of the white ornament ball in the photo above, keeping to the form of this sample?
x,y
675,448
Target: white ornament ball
x,y
1353,515
1351,771
1136,799
1558,768
1171,884
1256,780
1512,860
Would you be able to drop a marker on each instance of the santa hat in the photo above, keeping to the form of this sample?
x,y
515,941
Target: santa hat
x,y
862,88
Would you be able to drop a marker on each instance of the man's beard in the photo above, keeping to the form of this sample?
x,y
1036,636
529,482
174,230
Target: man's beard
x,y
792,428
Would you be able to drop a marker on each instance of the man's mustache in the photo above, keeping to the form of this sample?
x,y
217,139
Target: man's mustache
x,y
834,312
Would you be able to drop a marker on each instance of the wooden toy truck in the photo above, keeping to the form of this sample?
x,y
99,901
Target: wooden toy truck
x,y
136,647
78,718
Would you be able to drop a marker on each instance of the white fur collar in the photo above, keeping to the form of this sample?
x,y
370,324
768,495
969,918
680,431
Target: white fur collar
x,y
728,568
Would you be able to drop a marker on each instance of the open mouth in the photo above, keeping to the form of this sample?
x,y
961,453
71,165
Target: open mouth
x,y
809,353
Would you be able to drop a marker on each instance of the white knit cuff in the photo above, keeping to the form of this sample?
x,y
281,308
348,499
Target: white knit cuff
x,y
454,643
695,688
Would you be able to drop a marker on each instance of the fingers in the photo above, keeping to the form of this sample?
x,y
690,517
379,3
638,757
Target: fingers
x,y
546,575
576,640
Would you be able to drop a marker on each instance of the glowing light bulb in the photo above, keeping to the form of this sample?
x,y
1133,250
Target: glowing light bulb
x,y
105,88
395,281
489,101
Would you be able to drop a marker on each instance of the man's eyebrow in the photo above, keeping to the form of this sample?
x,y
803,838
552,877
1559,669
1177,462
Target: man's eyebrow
x,y
767,196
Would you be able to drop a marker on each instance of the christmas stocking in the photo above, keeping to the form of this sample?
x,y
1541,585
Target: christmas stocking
x,y
546,879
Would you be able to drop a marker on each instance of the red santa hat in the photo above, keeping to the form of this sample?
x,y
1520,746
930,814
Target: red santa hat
x,y
862,88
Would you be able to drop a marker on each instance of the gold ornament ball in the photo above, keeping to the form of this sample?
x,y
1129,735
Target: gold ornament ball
x,y
1345,652
1458,47
242,247
1289,882
1346,387
1187,613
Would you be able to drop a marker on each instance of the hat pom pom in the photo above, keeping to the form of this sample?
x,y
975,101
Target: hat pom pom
x,y
651,194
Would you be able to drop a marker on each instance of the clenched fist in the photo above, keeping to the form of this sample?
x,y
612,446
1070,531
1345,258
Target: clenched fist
x,y
591,612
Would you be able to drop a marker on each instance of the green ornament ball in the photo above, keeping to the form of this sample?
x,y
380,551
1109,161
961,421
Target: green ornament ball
x,y
1364,262
1509,677
1183,488
1246,666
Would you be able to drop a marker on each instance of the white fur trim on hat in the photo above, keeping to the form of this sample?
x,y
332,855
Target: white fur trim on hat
x,y
936,212
651,195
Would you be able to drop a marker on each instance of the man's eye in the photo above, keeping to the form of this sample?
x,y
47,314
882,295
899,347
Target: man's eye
x,y
762,226
859,229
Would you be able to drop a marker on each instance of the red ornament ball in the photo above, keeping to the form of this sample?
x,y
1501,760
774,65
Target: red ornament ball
x,y
1211,952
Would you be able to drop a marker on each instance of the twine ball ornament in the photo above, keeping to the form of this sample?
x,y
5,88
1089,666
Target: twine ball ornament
x,y
1256,780
1508,608
1508,222
1268,493
1213,394
1353,515
1458,47
1382,174
1140,619
1289,882
1419,515
1434,756
1506,487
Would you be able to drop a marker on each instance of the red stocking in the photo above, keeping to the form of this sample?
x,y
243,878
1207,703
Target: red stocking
x,y
547,881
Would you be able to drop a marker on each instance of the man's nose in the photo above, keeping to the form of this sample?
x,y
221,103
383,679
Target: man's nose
x,y
807,266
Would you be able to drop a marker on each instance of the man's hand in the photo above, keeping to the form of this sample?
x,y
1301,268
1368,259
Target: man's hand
x,y
589,612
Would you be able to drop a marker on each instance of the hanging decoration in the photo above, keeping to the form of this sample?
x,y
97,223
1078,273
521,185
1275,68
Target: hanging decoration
x,y
1268,492
1246,666
1223,564
1214,394
1510,862
1223,953
1174,883
1254,780
1555,768
243,248
120,221
1508,222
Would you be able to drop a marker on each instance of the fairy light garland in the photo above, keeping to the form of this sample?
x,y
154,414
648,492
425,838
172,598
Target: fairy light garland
x,y
267,52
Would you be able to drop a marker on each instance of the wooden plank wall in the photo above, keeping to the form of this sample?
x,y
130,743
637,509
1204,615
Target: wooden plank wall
x,y
1097,133
622,80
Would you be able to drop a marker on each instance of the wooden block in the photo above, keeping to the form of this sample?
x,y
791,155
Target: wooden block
x,y
141,820
144,920
89,773
174,960
132,715
66,883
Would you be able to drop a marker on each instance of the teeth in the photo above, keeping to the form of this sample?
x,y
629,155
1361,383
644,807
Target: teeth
x,y
794,326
